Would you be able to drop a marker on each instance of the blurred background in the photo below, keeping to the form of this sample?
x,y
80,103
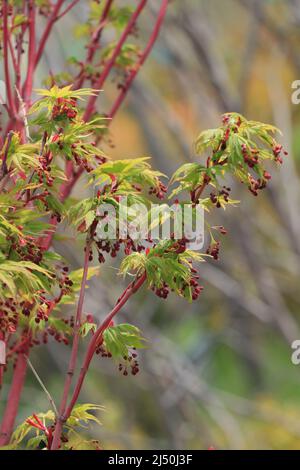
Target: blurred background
x,y
217,372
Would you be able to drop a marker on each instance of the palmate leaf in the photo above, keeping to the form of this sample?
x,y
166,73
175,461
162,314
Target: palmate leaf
x,y
163,265
127,56
80,132
224,146
119,339
66,92
134,171
25,428
78,212
7,227
50,97
23,277
210,138
81,415
133,263
86,328
119,16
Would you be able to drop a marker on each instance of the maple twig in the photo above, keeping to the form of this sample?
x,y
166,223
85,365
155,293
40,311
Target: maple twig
x,y
44,38
52,403
129,291
146,52
10,100
69,8
74,352
13,400
109,65
27,89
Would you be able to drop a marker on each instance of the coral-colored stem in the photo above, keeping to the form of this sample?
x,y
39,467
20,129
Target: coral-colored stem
x,y
53,18
27,90
107,69
11,410
134,72
10,99
69,8
94,44
74,352
131,289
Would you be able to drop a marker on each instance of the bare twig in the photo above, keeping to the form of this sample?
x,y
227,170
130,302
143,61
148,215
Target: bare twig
x,y
51,401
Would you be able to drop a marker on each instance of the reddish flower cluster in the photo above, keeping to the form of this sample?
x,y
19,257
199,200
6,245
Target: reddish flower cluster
x,y
81,161
213,250
223,193
58,335
277,150
162,292
256,185
8,315
250,156
44,172
131,363
103,351
194,284
64,109
26,248
106,246
158,191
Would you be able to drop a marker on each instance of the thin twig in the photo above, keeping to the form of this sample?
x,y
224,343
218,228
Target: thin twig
x,y
42,385
6,33
24,114
48,29
27,88
110,64
3,169
63,13
146,52
129,291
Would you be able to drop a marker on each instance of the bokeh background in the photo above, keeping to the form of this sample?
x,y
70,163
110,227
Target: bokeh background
x,y
217,372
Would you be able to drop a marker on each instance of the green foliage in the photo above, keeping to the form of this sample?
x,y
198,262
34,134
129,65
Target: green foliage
x,y
114,180
35,282
35,433
87,328
120,339
23,278
239,147
164,265
127,173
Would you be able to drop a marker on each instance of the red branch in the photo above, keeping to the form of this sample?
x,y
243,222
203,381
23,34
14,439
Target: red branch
x,y
53,18
94,44
134,72
11,411
69,8
27,90
19,374
74,352
129,291
6,34
99,83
